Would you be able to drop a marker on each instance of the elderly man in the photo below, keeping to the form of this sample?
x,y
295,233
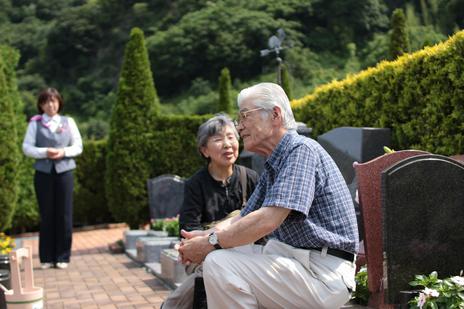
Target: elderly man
x,y
301,202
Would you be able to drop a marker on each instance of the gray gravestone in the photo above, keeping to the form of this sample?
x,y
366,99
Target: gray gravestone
x,y
423,206
347,145
165,196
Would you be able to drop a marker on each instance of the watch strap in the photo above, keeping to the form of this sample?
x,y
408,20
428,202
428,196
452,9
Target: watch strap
x,y
216,245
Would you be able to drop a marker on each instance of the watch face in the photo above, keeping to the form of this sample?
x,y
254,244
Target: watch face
x,y
213,239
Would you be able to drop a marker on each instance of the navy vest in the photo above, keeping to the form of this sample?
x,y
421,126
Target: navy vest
x,y
60,139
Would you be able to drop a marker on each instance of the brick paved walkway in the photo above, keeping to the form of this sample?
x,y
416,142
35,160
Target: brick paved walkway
x,y
96,278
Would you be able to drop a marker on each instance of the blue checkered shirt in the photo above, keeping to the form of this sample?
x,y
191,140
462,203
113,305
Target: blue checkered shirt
x,y
301,176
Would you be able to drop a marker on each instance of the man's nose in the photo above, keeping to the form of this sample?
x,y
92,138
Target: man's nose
x,y
239,127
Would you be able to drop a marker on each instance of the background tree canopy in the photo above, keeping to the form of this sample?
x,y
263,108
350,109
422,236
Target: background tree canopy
x,y
77,45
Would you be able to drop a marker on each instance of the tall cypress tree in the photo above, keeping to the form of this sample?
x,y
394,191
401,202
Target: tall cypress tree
x,y
9,155
134,111
225,102
285,80
399,42
26,213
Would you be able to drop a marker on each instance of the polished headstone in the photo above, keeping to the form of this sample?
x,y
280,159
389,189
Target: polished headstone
x,y
347,145
423,207
369,183
165,196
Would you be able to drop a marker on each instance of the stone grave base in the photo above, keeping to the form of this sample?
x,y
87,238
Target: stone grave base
x,y
131,236
149,248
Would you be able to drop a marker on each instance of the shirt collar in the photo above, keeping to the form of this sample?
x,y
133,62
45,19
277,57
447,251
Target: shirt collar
x,y
273,161
47,118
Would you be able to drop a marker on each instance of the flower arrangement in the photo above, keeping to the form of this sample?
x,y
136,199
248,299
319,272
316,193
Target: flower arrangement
x,y
6,244
170,225
437,293
361,294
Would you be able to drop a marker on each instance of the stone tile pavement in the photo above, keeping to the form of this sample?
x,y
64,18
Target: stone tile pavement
x,y
96,278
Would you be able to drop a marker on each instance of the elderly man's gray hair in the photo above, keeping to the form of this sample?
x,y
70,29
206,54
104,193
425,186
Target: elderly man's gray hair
x,y
214,126
268,95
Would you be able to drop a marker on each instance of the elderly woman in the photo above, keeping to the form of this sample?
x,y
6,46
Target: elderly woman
x,y
53,140
221,186
213,192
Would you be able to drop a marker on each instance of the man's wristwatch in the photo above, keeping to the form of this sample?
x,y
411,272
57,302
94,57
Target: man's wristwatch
x,y
213,240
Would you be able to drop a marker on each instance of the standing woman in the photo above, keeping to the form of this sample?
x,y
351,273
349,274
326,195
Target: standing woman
x,y
53,140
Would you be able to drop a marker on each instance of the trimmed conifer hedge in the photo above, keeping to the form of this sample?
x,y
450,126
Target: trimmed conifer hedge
x,y
225,101
420,96
136,106
90,203
26,214
9,154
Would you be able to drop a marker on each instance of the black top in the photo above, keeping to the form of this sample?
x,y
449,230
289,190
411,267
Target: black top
x,y
207,200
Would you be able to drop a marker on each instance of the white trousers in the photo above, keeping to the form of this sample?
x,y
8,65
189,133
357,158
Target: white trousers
x,y
280,276
182,296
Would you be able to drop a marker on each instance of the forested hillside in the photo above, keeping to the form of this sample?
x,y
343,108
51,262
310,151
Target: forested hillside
x,y
77,46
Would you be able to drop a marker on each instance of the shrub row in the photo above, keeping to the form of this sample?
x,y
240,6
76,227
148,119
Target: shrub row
x,y
420,96
9,154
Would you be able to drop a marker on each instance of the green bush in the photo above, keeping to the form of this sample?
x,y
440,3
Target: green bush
x,y
419,96
399,41
90,203
137,104
9,153
171,145
285,80
172,227
26,214
157,225
361,294
169,225
225,101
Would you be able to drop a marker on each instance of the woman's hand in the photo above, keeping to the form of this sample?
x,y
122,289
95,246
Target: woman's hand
x,y
55,153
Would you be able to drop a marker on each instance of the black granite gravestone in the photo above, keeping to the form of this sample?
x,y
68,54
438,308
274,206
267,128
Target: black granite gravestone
x,y
165,196
423,207
349,144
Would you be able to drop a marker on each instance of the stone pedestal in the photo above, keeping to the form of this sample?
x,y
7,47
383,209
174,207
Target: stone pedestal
x,y
130,237
157,233
171,270
149,248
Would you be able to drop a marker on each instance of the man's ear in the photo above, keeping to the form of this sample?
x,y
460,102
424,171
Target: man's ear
x,y
276,112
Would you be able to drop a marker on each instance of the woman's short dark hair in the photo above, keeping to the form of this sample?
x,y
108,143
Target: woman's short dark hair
x,y
46,95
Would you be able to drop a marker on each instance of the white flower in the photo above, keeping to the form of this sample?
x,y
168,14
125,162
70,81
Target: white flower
x,y
422,300
431,292
458,280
